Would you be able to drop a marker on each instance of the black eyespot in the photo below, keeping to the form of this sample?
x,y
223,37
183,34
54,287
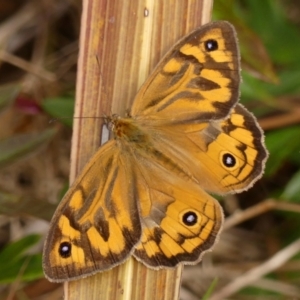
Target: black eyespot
x,y
65,249
190,218
211,45
229,160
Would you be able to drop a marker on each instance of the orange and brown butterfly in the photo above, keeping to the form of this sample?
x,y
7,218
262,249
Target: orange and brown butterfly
x,y
145,192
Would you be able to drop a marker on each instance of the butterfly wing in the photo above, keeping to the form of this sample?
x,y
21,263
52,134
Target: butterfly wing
x,y
198,79
97,223
180,220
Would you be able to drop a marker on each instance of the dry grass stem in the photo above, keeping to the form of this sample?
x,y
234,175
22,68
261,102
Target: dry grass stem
x,y
260,208
120,43
27,66
277,286
283,120
256,273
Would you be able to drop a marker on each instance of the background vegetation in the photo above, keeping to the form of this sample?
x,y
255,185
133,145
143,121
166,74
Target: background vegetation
x,y
258,253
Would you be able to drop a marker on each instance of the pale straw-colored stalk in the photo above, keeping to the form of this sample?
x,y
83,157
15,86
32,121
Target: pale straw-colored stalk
x,y
120,43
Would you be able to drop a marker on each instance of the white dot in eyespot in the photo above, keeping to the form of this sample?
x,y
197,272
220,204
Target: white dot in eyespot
x,y
229,160
211,45
191,218
65,248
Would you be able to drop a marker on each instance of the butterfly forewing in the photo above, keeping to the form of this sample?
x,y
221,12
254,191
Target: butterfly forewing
x,y
98,222
198,79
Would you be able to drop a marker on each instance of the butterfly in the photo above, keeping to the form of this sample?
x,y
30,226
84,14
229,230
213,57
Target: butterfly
x,y
146,192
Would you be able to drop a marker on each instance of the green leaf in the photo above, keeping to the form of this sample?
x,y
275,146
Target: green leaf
x,y
282,144
14,250
24,269
280,35
210,289
292,189
14,263
60,108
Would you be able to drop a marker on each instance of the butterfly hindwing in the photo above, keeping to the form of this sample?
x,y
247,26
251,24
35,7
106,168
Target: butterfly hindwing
x,y
234,152
180,221
222,156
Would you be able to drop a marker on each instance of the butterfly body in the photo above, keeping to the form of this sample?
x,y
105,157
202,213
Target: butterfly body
x,y
145,192
127,129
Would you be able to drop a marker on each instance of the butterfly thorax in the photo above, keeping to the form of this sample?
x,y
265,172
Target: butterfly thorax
x,y
128,129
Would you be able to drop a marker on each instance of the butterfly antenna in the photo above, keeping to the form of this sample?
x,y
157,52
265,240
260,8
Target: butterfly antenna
x,y
64,118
